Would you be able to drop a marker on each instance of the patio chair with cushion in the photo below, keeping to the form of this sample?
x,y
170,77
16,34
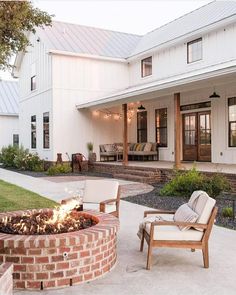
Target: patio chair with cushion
x,y
187,227
102,195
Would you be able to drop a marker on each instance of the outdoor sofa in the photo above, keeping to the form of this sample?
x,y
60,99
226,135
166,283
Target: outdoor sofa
x,y
147,151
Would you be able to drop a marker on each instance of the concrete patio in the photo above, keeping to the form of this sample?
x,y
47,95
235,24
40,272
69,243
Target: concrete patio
x,y
174,271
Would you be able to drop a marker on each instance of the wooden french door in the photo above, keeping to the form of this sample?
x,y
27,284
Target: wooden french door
x,y
197,136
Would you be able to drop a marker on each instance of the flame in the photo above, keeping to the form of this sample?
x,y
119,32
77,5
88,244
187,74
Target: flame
x,y
60,218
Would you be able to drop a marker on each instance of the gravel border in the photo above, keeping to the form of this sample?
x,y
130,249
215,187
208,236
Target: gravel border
x,y
154,200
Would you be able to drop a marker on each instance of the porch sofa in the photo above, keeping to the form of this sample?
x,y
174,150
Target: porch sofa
x,y
147,151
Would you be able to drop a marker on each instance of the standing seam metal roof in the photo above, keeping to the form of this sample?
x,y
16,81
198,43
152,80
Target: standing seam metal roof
x,y
82,39
9,98
202,17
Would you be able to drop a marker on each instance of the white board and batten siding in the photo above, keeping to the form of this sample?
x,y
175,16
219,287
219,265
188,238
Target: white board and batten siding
x,y
35,103
76,80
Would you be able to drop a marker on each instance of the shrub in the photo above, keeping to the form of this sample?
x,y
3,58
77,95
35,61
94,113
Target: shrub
x,y
218,184
7,155
228,212
58,169
20,158
185,183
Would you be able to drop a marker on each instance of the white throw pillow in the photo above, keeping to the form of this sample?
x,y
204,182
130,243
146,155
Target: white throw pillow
x,y
185,214
148,147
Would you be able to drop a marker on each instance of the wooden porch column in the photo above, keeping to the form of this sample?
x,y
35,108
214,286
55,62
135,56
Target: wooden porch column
x,y
125,134
177,129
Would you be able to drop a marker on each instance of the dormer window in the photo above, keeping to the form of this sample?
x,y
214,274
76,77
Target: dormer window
x,y
194,50
146,67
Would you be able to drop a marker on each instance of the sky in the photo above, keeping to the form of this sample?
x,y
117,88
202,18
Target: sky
x,y
131,16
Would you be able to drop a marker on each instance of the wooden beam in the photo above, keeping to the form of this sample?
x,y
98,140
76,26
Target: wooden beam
x,y
125,134
177,129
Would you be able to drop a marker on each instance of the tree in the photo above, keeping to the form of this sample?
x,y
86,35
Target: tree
x,y
17,18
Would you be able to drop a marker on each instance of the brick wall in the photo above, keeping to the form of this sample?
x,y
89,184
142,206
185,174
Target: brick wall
x,y
6,281
160,174
48,261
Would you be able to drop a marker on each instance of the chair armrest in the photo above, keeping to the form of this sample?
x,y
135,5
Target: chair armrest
x,y
108,201
103,204
178,223
158,212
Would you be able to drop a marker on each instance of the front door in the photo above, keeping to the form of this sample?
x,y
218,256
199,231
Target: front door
x,y
197,136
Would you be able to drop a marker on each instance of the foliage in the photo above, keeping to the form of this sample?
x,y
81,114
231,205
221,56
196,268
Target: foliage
x,y
13,198
20,158
27,161
17,18
227,212
185,183
7,155
218,184
90,146
59,169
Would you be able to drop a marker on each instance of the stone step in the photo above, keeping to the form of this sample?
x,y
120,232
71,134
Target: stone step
x,y
132,177
140,173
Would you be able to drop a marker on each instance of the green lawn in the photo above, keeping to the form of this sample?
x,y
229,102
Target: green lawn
x,y
13,198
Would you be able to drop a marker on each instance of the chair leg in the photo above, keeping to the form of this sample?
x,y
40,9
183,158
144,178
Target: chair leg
x,y
149,256
205,254
142,243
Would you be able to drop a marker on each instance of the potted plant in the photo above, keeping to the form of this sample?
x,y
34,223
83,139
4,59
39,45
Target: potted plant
x,y
91,155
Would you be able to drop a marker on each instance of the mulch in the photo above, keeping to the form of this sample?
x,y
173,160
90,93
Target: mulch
x,y
154,200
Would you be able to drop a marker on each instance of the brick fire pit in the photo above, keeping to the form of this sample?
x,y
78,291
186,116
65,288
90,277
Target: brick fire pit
x,y
59,260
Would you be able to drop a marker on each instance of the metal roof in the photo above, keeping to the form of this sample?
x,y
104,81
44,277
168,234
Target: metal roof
x,y
9,98
83,39
188,23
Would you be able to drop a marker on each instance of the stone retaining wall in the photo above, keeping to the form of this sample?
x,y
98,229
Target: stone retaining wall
x,y
161,175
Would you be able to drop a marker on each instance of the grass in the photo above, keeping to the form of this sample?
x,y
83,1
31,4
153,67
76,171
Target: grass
x,y
13,197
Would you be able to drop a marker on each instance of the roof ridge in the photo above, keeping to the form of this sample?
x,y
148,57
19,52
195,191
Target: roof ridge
x,y
182,16
93,27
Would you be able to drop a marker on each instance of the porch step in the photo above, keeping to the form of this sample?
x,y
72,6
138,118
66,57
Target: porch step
x,y
142,173
139,176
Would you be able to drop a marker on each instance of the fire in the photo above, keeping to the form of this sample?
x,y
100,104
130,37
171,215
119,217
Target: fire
x,y
64,218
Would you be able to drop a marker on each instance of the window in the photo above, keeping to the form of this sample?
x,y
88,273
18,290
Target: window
x,y
33,83
46,130
33,132
194,50
146,67
33,77
142,126
232,121
161,127
16,139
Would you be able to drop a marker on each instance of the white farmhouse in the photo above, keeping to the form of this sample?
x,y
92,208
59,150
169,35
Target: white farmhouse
x,y
9,113
75,79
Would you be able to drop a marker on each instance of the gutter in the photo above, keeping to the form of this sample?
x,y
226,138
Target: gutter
x,y
85,55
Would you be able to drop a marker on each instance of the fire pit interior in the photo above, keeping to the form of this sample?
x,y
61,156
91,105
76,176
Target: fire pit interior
x,y
60,220
57,248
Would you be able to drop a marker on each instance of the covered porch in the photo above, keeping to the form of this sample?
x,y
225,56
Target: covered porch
x,y
182,116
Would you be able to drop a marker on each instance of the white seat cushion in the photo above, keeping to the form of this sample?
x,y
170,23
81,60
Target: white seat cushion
x,y
202,204
94,206
96,191
173,233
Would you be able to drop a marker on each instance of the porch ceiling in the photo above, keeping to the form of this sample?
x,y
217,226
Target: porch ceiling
x,y
181,83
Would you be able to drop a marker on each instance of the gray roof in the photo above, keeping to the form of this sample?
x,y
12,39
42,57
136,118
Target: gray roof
x,y
188,23
9,98
82,39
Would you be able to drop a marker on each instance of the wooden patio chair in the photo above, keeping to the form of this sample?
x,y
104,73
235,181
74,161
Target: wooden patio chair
x,y
102,195
166,233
